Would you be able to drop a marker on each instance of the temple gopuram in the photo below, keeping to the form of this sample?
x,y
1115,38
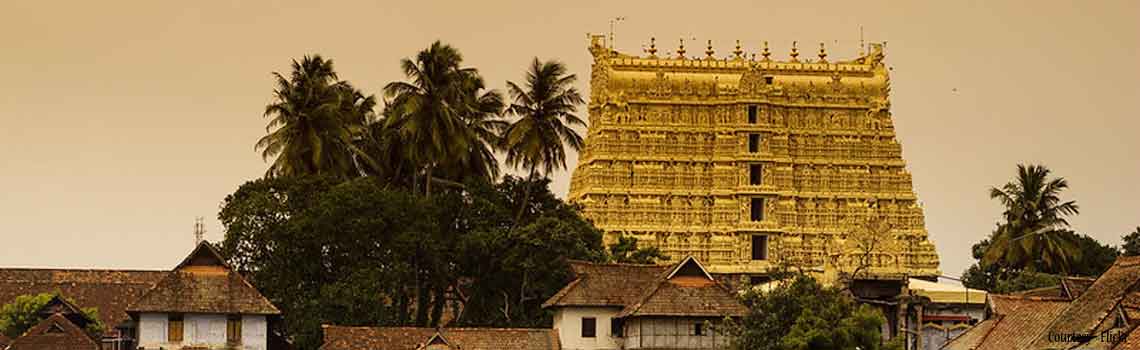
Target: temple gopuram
x,y
749,163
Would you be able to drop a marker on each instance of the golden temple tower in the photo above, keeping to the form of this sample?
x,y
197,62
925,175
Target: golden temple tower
x,y
747,163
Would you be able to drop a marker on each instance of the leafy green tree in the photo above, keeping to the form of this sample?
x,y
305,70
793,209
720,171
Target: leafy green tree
x,y
1031,235
801,314
545,105
1094,257
315,120
1131,245
627,251
442,116
1025,280
362,253
22,313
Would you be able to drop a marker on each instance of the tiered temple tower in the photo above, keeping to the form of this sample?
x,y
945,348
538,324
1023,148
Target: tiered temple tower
x,y
748,163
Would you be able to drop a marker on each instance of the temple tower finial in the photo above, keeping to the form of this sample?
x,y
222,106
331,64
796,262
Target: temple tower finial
x,y
739,53
795,52
822,53
766,53
709,51
653,47
681,50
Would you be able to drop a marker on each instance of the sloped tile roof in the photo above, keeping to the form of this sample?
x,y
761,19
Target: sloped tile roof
x,y
203,283
109,291
1016,321
1057,291
412,338
606,284
971,338
1075,286
54,333
1089,310
1131,341
649,290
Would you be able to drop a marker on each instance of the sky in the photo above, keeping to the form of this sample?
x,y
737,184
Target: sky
x,y
122,121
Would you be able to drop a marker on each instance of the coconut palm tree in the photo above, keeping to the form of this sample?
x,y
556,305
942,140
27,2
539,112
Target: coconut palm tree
x,y
437,114
1031,235
314,119
545,105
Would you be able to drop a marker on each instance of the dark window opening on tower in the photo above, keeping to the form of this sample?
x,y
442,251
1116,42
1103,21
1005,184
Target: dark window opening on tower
x,y
755,174
757,209
768,80
753,143
759,247
752,112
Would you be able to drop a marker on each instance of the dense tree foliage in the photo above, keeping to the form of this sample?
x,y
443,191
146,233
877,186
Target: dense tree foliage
x,y
1032,247
1131,245
625,250
802,314
22,313
1031,235
315,121
357,253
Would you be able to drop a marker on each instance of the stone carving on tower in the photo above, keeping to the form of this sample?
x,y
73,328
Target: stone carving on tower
x,y
748,164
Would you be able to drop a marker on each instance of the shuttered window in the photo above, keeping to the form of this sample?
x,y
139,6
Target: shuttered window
x,y
233,330
174,329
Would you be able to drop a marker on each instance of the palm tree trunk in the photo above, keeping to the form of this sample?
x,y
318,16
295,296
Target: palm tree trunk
x,y
427,181
526,198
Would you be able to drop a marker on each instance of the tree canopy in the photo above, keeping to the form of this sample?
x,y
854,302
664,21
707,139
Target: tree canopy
x,y
802,314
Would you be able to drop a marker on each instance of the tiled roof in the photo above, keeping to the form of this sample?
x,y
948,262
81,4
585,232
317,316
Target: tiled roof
x,y
606,284
683,289
1057,291
4,341
54,333
109,291
1075,286
1016,321
970,339
411,338
1131,341
203,283
1089,310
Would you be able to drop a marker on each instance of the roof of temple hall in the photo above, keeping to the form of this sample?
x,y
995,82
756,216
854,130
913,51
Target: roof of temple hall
x,y
1080,307
109,291
204,283
412,338
54,333
683,289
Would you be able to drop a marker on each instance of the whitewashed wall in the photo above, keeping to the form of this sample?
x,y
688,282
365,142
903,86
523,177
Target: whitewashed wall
x,y
201,330
254,332
568,323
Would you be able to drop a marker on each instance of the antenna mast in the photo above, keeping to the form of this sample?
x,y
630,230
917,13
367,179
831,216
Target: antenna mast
x,y
613,23
199,230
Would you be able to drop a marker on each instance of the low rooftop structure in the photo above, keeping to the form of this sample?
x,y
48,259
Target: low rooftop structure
x,y
413,338
1080,313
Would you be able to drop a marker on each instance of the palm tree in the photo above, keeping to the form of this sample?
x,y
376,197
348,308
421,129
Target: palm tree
x,y
314,119
545,107
440,114
1031,237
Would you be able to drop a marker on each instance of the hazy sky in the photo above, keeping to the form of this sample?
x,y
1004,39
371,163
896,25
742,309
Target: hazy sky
x,y
124,120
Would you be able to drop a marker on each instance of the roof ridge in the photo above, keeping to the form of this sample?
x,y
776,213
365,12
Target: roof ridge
x,y
585,262
68,269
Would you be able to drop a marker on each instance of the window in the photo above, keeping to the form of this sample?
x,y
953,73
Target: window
x,y
753,143
755,174
759,247
589,327
752,112
233,330
757,209
174,329
615,327
698,328
768,80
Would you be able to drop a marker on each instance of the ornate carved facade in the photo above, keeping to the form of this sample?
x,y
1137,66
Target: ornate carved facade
x,y
748,163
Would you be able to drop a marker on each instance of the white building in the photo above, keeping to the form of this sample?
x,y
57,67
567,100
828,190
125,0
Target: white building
x,y
203,304
627,306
